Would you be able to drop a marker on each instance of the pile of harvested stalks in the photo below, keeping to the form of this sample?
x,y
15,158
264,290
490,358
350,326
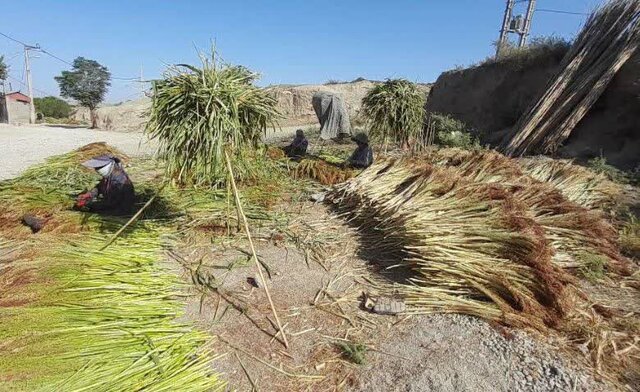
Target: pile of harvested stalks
x,y
477,235
609,38
578,184
198,113
103,320
323,172
395,112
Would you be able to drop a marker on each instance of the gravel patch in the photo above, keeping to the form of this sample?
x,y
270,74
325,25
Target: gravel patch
x,y
24,146
462,353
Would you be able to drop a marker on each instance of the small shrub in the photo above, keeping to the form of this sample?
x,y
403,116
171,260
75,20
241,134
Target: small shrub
x,y
600,165
450,132
52,107
592,266
538,48
355,352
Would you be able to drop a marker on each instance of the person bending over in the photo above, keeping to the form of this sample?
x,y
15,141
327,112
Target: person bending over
x,y
114,194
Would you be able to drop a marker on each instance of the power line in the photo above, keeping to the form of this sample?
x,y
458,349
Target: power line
x,y
56,57
561,12
13,39
25,85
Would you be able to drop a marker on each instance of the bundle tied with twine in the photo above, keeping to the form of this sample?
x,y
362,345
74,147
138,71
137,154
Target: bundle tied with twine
x,y
609,38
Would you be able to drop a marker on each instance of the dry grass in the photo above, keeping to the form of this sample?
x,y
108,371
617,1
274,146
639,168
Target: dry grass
x,y
481,237
323,172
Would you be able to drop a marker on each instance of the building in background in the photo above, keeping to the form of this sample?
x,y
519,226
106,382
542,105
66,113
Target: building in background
x,y
14,108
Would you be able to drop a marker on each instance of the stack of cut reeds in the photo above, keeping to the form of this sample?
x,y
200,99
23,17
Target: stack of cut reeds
x,y
472,233
578,184
323,172
609,38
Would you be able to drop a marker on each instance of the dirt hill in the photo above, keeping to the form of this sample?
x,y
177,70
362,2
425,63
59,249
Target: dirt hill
x,y
294,102
492,96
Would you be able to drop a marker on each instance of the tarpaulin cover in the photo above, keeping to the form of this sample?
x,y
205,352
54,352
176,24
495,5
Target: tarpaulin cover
x,y
332,114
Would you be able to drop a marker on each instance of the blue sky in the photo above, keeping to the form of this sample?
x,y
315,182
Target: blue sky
x,y
303,41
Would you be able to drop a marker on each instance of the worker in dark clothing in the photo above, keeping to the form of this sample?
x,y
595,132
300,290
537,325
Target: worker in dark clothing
x,y
298,147
362,157
114,194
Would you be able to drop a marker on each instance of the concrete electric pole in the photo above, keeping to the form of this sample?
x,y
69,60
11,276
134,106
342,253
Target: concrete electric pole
x,y
27,66
527,23
517,25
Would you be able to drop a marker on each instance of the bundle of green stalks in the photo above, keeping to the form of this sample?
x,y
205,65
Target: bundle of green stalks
x,y
394,111
107,321
79,319
577,183
198,113
323,172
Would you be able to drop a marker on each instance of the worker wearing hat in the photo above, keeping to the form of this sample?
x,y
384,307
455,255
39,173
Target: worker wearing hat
x,y
114,194
362,157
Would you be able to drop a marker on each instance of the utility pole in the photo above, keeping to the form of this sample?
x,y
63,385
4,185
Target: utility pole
x,y
517,25
505,26
527,23
27,66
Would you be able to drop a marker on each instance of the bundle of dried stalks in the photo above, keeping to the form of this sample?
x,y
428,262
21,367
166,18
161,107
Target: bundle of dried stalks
x,y
323,172
578,184
469,252
475,235
570,228
609,38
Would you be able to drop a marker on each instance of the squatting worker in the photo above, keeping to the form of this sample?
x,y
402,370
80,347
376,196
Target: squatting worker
x,y
298,147
362,157
114,194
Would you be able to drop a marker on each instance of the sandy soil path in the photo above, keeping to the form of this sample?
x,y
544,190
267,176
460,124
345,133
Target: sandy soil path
x,y
23,146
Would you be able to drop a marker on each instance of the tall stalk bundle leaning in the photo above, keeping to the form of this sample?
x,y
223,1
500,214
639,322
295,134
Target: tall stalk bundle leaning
x,y
609,38
198,112
394,111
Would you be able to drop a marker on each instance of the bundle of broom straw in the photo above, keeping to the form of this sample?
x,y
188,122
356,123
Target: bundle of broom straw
x,y
609,38
472,233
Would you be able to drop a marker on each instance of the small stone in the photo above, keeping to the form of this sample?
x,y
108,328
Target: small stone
x,y
320,366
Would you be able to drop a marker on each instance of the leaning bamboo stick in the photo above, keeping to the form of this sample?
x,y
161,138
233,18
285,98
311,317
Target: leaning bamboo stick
x,y
253,250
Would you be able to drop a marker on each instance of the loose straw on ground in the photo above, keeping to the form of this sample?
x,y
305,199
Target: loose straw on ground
x,y
253,250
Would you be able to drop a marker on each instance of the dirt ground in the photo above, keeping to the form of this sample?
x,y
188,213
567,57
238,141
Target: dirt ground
x,y
318,291
27,145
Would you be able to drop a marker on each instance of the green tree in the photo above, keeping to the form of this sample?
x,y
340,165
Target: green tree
x,y
52,107
87,83
3,69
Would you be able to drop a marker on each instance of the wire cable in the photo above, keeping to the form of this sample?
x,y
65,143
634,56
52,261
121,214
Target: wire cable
x,y
25,85
56,57
13,39
560,11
